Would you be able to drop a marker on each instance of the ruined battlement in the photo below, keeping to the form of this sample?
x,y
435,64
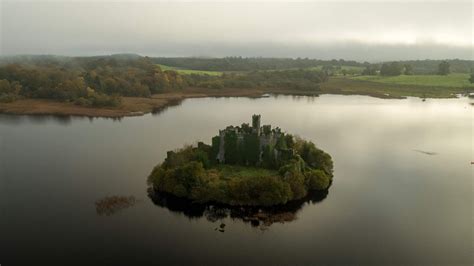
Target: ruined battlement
x,y
253,140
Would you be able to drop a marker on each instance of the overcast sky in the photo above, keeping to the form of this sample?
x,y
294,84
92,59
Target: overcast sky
x,y
360,30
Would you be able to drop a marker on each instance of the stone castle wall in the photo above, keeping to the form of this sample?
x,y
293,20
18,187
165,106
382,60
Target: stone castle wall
x,y
267,136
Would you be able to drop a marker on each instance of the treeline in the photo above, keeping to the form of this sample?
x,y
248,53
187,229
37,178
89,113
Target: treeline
x,y
191,173
90,81
257,63
282,79
430,67
248,63
388,69
421,67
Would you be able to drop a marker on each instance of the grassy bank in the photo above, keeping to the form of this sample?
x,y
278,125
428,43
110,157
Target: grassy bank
x,y
380,87
455,80
130,106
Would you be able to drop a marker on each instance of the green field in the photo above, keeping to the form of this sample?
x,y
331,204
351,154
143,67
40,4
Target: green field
x,y
350,70
357,69
352,85
455,80
190,71
235,171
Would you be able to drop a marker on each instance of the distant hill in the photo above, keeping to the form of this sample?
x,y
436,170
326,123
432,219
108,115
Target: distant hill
x,y
34,59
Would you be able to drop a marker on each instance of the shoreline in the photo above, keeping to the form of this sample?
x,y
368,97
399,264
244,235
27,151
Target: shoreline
x,y
131,106
137,106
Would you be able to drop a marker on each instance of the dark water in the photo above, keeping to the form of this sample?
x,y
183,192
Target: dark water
x,y
402,190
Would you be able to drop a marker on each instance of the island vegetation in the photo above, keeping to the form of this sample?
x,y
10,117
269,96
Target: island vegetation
x,y
245,166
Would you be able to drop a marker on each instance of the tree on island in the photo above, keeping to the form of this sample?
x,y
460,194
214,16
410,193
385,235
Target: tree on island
x,y
444,68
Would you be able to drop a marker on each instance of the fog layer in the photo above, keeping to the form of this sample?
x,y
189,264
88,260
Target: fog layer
x,y
350,30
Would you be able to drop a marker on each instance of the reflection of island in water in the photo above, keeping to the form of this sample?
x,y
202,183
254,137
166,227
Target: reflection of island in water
x,y
256,216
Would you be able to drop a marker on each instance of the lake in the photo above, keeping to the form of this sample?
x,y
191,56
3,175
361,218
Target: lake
x,y
402,189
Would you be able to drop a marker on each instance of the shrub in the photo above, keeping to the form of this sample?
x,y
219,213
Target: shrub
x,y
267,190
317,180
314,157
102,100
82,102
179,190
8,97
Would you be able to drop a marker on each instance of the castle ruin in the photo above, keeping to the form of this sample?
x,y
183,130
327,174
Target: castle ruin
x,y
249,142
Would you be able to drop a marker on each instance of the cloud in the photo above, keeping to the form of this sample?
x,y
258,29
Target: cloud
x,y
322,29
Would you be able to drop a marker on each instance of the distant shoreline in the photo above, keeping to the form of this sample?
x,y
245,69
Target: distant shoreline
x,y
138,106
131,106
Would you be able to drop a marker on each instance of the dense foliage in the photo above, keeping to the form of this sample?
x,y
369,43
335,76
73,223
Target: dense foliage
x,y
391,69
395,69
370,70
192,173
91,81
419,67
444,68
282,79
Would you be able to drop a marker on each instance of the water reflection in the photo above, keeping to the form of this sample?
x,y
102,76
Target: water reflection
x,y
35,119
171,103
113,204
64,120
262,217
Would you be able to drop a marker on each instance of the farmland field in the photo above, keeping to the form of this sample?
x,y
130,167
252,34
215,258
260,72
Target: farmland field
x,y
351,70
457,80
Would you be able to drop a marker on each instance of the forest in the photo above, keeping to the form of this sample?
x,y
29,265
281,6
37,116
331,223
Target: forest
x,y
94,81
102,81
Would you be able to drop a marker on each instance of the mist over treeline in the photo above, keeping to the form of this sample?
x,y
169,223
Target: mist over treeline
x,y
238,63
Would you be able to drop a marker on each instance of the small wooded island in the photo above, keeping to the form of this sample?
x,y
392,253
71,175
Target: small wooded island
x,y
246,165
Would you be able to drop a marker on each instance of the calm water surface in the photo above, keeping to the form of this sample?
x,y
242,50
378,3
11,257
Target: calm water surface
x,y
402,190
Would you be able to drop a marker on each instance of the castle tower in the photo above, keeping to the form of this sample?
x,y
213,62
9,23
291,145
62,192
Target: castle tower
x,y
256,124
